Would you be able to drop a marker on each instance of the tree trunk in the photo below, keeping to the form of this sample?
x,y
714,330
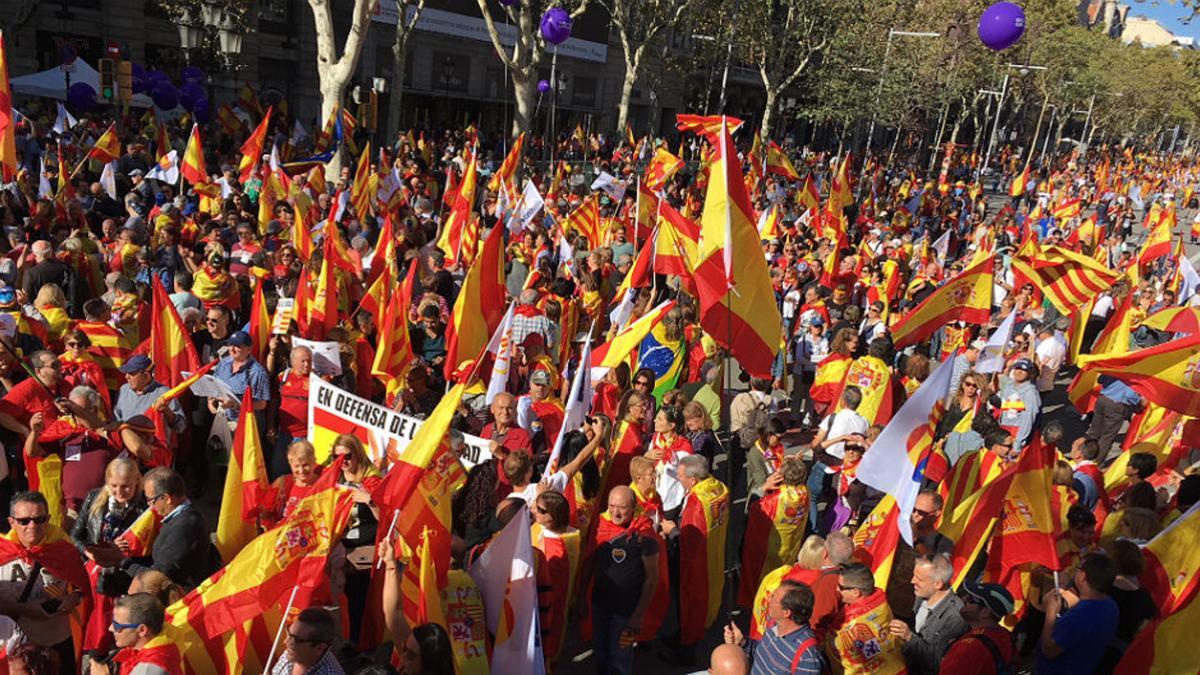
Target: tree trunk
x,y
764,130
626,95
525,97
399,61
332,91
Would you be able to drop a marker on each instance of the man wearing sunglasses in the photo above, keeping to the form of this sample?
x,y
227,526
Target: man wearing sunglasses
x,y
137,630
41,575
987,647
310,645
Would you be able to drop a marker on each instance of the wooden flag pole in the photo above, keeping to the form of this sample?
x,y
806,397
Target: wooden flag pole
x,y
282,623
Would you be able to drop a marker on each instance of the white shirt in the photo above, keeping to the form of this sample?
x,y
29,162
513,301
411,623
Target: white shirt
x,y
13,577
1050,355
557,481
841,423
667,484
1104,305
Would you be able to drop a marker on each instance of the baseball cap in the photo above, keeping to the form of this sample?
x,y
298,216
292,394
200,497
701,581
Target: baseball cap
x,y
979,344
239,339
540,377
136,364
993,596
1025,365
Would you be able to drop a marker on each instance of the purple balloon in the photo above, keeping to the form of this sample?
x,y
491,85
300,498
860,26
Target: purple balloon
x,y
153,77
202,111
164,95
192,74
81,96
543,86
556,25
189,94
1001,25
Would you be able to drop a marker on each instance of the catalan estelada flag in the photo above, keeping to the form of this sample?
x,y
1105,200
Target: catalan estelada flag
x,y
193,168
662,166
965,297
1067,279
171,347
703,524
737,301
479,307
1019,184
107,147
246,487
8,122
1167,374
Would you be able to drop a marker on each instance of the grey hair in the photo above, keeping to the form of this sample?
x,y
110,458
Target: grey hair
x,y
88,394
940,566
42,249
839,547
529,296
694,466
43,357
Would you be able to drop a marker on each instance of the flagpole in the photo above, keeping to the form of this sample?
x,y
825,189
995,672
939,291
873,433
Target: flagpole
x,y
279,633
390,532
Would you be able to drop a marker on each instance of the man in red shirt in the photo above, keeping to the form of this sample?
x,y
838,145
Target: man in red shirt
x,y
505,437
43,393
987,645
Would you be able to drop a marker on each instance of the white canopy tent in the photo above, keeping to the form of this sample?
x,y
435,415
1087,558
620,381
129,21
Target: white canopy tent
x,y
52,83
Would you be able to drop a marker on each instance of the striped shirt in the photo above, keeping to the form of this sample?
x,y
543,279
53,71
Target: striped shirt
x,y
774,653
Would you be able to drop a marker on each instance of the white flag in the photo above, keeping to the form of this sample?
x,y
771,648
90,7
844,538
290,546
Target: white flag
x,y
1191,280
991,360
298,133
108,179
531,203
505,576
887,465
167,169
942,246
502,347
44,189
614,188
64,121
624,310
578,403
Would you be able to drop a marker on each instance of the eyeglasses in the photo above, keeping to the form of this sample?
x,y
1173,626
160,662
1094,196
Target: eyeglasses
x,y
151,500
40,520
72,344
211,319
118,627
296,638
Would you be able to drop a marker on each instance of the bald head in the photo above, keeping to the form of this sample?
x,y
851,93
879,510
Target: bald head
x,y
621,504
728,659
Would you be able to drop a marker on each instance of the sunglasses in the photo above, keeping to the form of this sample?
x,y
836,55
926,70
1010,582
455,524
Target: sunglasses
x,y
970,384
72,344
118,627
296,638
40,520
848,588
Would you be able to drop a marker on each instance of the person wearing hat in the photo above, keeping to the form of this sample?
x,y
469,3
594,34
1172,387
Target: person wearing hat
x,y
240,371
986,648
1019,402
540,409
137,397
965,362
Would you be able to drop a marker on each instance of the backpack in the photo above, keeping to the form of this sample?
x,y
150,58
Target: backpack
x,y
73,293
1003,667
757,419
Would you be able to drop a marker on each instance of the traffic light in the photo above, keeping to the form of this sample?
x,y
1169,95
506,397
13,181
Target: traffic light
x,y
107,81
125,81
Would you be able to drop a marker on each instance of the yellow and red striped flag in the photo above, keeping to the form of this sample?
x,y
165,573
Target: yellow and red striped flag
x,y
1068,279
709,126
394,351
1172,575
246,485
363,191
454,238
431,607
1167,374
808,197
252,149
1020,184
585,220
841,192
479,307
662,166
737,301
260,324
192,168
107,147
8,122
1158,648
965,297
505,178
171,347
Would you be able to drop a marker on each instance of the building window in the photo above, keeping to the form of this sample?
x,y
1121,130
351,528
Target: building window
x,y
583,92
274,16
450,72
497,87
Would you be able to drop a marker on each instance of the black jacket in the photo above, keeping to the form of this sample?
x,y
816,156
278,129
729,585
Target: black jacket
x,y
182,550
88,526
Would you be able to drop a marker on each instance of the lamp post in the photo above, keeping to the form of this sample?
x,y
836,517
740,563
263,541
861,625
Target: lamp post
x,y
887,50
190,31
1024,70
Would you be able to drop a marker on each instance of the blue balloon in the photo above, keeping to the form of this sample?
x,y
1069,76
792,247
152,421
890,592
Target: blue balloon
x,y
164,95
556,25
543,86
81,96
192,74
1001,25
202,111
189,94
156,76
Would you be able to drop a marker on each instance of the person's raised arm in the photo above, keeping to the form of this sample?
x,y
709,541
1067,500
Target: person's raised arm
x,y
393,598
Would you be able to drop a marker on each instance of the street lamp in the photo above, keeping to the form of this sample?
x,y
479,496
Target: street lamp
x,y
887,50
1022,68
190,30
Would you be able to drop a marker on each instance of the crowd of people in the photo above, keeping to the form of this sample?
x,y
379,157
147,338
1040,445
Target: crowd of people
x,y
694,506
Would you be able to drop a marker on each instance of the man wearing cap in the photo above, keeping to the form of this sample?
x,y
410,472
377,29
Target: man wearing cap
x,y
987,647
240,371
138,396
1019,402
540,410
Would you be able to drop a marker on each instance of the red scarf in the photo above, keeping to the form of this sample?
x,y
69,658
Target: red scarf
x,y
56,554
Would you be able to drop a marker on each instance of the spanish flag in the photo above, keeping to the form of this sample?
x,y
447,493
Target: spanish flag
x,y
965,297
323,311
108,146
662,166
1028,530
768,224
877,538
1068,208
252,149
8,122
778,162
1160,647
737,301
394,351
827,383
703,524
585,220
1172,574
709,126
677,244
431,606
969,523
775,530
1158,241
841,191
1020,184
193,168
617,350
1166,374
479,307
246,485
451,242
807,196
171,347
1068,279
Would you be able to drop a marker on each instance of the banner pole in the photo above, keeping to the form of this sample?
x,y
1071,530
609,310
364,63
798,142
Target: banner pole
x,y
278,633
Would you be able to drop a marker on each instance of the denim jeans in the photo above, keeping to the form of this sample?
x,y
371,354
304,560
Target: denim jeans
x,y
816,485
611,658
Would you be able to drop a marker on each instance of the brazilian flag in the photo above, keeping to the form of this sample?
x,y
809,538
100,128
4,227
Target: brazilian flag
x,y
664,357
